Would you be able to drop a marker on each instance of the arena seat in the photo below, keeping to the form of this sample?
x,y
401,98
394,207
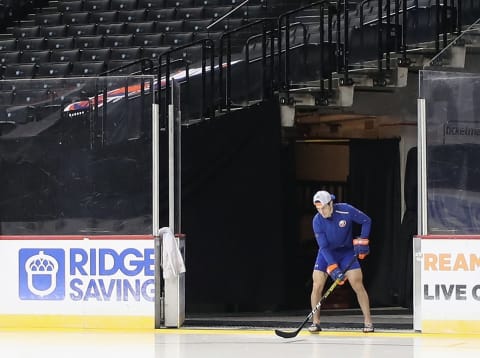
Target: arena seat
x,y
59,43
48,19
6,97
187,13
65,55
95,54
111,28
34,56
121,40
150,4
54,69
148,40
82,30
31,43
70,18
123,4
28,31
8,45
131,15
94,41
87,68
97,5
70,6
125,53
170,26
177,38
179,3
107,16
196,25
53,30
140,27
8,57
154,52
161,14
19,71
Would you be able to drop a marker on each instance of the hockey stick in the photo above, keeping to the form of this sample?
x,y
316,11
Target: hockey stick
x,y
284,334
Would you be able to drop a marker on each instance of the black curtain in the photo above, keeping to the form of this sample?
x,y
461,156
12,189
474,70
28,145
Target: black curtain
x,y
374,187
408,229
232,212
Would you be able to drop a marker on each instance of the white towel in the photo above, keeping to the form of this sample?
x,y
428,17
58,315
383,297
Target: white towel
x,y
172,260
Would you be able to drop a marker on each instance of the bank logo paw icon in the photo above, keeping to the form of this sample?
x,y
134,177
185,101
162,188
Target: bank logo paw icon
x,y
41,274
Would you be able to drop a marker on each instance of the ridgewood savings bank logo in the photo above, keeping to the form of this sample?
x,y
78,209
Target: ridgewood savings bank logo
x,y
94,274
42,274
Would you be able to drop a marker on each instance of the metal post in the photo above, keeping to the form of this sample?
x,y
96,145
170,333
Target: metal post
x,y
177,225
171,161
159,315
422,214
174,304
422,168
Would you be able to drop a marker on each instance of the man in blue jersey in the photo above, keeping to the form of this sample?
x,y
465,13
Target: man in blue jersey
x,y
332,226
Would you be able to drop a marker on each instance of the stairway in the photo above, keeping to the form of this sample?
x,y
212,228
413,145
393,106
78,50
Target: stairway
x,y
390,71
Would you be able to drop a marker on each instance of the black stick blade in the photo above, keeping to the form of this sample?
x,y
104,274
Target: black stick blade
x,y
284,334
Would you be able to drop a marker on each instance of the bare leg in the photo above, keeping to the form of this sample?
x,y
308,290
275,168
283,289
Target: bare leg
x,y
319,279
355,278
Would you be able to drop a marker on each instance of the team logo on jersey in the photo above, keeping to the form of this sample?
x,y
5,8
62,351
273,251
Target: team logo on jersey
x,y
342,223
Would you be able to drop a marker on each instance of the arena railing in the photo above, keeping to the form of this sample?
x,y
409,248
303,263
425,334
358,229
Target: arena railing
x,y
182,75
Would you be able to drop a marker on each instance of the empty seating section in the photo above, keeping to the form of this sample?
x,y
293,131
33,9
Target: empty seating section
x,y
81,37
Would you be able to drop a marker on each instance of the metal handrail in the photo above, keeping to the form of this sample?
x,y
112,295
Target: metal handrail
x,y
227,14
227,35
324,4
267,90
142,61
206,44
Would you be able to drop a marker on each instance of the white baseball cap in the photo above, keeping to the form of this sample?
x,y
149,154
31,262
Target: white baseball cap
x,y
323,197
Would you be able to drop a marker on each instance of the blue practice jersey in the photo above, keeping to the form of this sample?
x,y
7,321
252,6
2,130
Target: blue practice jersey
x,y
335,233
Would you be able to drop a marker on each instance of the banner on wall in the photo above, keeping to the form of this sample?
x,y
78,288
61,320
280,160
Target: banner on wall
x,y
78,277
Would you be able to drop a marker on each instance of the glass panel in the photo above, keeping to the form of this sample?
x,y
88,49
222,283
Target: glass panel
x,y
453,151
75,156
